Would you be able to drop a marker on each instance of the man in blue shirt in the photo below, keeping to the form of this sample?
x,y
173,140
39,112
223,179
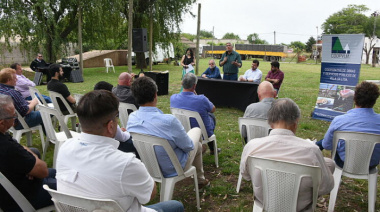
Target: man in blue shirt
x,y
152,121
188,100
212,72
360,119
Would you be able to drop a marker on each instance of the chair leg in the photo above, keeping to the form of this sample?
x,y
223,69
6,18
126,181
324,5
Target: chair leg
x,y
73,123
43,144
239,183
167,188
334,191
216,154
197,190
372,190
29,139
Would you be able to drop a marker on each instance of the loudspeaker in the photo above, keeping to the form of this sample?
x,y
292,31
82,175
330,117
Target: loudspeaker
x,y
162,81
139,40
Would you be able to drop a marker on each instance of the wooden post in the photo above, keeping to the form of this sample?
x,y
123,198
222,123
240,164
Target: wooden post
x,y
151,37
130,26
198,32
80,44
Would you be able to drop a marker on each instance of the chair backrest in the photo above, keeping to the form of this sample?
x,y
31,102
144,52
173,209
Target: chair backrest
x,y
108,62
17,196
73,203
54,95
281,181
256,128
22,121
34,93
123,112
46,115
184,117
145,147
359,148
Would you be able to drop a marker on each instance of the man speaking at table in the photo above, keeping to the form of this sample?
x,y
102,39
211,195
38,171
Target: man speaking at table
x,y
231,63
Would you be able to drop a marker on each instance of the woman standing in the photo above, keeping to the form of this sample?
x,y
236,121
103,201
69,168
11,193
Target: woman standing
x,y
188,59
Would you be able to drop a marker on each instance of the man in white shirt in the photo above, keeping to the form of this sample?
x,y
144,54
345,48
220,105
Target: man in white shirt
x,y
92,166
282,144
252,75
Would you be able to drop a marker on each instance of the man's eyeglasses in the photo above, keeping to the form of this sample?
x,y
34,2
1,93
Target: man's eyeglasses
x,y
15,116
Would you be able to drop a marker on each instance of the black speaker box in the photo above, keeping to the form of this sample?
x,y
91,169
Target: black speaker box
x,y
162,81
139,40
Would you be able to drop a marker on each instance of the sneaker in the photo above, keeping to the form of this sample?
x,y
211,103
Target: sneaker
x,y
212,152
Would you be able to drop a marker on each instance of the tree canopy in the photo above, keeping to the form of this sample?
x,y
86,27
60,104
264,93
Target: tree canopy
x,y
231,35
204,34
309,44
254,39
350,20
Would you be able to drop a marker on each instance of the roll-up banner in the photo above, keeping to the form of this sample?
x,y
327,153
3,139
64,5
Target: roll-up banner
x,y
340,69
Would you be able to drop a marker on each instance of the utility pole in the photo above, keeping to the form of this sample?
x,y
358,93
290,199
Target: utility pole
x,y
374,14
274,36
130,25
198,32
151,37
316,48
80,37
212,44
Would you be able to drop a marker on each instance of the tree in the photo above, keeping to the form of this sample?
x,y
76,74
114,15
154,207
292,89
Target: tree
x,y
309,44
206,34
254,39
350,20
231,35
372,35
298,48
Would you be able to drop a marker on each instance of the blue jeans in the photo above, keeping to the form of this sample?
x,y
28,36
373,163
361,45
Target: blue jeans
x,y
32,119
128,146
47,99
230,77
167,206
43,198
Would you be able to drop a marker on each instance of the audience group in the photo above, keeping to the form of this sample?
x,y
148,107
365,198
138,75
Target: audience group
x,y
103,162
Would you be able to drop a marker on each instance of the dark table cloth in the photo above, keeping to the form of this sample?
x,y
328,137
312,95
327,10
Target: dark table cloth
x,y
228,93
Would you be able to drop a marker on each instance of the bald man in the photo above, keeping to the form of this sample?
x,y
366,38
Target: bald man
x,y
259,110
123,89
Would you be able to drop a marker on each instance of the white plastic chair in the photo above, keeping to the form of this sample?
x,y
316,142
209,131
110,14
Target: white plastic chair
x,y
19,198
34,93
52,135
255,128
77,97
145,147
73,116
28,130
358,148
123,112
184,117
108,63
281,182
73,203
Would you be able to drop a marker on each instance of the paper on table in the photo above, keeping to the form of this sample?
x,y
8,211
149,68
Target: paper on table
x,y
189,68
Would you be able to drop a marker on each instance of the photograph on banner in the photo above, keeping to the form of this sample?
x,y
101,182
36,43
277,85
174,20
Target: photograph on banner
x,y
335,97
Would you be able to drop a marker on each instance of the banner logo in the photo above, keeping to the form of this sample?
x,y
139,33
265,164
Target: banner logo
x,y
337,50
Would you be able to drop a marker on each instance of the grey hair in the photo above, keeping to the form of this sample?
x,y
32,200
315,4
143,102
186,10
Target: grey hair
x,y
284,110
5,102
189,80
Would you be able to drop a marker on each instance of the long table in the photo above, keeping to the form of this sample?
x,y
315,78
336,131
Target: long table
x,y
228,93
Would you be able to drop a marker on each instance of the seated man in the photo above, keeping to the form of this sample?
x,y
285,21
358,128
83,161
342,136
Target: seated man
x,y
151,121
91,166
123,90
21,166
282,144
55,85
122,135
39,64
259,110
360,119
188,100
275,76
212,72
252,75
23,83
8,82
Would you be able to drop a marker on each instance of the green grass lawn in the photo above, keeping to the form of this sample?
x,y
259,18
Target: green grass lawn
x,y
301,84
